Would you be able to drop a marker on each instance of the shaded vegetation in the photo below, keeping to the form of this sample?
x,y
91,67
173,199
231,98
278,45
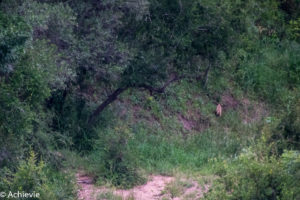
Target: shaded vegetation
x,y
125,88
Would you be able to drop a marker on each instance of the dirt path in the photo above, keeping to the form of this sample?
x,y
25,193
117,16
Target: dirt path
x,y
152,190
157,188
87,191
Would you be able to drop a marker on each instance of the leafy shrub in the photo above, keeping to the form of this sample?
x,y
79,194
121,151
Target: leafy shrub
x,y
113,161
13,35
294,29
270,72
32,176
253,177
291,127
70,120
29,72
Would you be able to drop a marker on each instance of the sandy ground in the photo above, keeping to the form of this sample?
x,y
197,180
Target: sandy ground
x,y
87,191
152,190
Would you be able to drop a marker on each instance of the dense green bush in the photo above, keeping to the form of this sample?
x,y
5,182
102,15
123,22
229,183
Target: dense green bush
x,y
70,121
263,171
33,176
271,71
13,34
289,128
112,161
251,176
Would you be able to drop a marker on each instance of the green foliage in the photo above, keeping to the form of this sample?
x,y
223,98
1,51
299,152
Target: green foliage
x,y
289,127
294,29
162,152
270,73
251,177
32,176
32,70
112,161
60,59
47,21
13,34
259,172
29,84
70,120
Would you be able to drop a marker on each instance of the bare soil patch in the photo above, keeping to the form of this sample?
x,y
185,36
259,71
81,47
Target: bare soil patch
x,y
87,190
154,189
251,111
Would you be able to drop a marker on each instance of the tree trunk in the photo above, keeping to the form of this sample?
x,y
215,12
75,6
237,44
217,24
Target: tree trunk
x,y
205,79
118,91
108,101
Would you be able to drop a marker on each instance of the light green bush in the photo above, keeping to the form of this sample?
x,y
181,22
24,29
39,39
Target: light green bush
x,y
33,176
251,177
112,161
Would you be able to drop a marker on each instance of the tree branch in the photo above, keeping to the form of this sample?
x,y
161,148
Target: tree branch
x,y
205,79
111,98
162,89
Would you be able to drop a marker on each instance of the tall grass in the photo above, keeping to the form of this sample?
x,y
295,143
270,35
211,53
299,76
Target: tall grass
x,y
163,152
